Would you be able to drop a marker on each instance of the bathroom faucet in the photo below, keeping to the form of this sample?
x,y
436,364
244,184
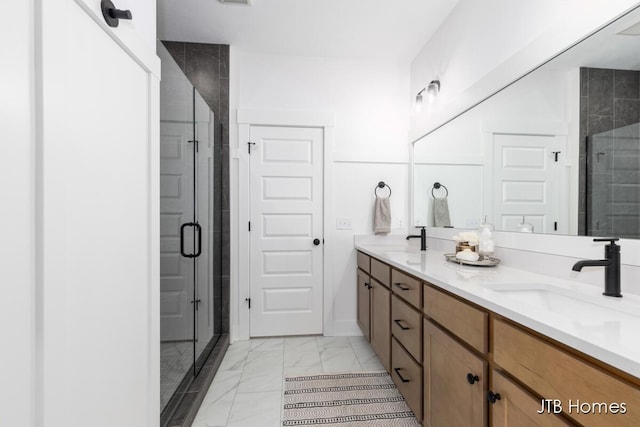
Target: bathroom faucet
x,y
611,265
422,236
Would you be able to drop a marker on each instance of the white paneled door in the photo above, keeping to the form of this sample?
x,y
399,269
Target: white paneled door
x,y
286,236
527,182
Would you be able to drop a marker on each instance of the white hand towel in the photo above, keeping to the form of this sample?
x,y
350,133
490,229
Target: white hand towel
x,y
441,212
382,216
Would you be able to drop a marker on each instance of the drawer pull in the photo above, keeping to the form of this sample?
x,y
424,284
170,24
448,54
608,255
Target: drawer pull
x,y
403,379
398,322
402,286
493,397
472,378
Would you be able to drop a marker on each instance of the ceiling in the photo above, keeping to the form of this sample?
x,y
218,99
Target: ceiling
x,y
359,29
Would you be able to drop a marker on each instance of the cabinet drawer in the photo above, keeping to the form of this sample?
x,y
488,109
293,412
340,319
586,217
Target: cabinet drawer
x,y
555,374
516,407
380,271
465,321
363,262
406,287
407,375
406,326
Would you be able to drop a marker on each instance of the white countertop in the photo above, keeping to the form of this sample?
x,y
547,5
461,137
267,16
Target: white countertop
x,y
574,314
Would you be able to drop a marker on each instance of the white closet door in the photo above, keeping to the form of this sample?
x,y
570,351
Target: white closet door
x,y
98,224
286,231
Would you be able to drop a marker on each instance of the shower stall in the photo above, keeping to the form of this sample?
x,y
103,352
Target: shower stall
x,y
613,183
190,258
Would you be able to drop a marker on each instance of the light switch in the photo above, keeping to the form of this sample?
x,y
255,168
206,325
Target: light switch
x,y
343,224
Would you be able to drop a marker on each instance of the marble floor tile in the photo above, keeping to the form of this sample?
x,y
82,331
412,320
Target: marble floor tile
x,y
216,406
256,409
235,356
266,344
339,359
326,342
263,361
301,358
301,344
247,389
295,371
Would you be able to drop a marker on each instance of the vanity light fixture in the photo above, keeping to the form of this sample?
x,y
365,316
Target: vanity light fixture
x,y
433,88
419,99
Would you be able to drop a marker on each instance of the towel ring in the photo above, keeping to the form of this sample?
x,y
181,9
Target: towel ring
x,y
381,184
437,186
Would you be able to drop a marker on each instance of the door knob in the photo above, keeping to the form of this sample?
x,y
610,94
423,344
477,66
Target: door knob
x,y
111,15
316,242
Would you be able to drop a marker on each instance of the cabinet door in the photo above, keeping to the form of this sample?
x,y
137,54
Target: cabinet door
x,y
516,407
364,304
454,382
380,323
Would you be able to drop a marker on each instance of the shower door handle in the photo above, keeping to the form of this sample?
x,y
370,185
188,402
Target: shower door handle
x,y
198,231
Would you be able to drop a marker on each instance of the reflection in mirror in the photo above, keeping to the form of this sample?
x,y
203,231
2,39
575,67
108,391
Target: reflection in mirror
x,y
561,147
613,180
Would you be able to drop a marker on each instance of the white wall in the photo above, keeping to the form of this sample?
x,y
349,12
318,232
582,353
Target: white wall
x,y
144,19
484,45
22,303
17,225
371,144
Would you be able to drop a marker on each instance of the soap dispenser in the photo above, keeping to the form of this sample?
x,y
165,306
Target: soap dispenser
x,y
524,227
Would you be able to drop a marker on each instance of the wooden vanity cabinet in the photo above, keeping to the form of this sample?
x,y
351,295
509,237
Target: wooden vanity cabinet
x,y
553,373
455,382
374,305
457,364
516,407
380,322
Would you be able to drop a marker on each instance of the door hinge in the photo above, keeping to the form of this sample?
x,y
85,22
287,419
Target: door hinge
x,y
249,144
249,225
248,300
555,226
555,154
195,143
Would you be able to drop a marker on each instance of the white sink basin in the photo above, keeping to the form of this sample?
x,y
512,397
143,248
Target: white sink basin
x,y
567,303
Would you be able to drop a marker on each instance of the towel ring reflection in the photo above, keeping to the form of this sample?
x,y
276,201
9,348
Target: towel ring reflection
x,y
381,184
437,186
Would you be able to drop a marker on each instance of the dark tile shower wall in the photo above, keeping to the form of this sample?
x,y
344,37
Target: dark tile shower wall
x,y
610,99
207,68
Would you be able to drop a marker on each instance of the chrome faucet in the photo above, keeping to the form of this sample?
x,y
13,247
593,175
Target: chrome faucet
x,y
422,236
611,265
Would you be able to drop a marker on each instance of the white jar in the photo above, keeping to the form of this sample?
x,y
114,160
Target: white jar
x,y
486,246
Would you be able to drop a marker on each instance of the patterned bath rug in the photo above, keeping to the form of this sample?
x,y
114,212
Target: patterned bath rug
x,y
358,399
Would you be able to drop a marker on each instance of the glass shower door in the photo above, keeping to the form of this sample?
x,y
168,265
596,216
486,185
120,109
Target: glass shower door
x,y
190,232
613,183
203,288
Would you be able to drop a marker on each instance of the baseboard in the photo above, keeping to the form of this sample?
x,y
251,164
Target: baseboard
x,y
346,328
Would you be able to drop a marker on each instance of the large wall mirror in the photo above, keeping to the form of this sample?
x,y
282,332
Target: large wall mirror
x,y
558,150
